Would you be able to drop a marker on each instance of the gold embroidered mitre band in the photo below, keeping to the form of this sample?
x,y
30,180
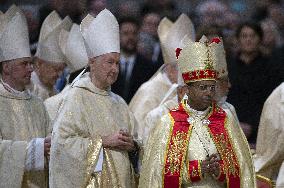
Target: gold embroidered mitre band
x,y
198,60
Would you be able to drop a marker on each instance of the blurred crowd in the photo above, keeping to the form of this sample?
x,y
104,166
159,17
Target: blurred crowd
x,y
253,34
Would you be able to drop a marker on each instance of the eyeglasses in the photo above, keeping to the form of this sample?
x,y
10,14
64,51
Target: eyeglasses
x,y
202,87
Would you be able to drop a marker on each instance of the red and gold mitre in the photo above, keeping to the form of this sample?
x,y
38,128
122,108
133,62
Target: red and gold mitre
x,y
201,60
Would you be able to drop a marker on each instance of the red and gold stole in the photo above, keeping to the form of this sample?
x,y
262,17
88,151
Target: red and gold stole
x,y
176,148
179,136
222,140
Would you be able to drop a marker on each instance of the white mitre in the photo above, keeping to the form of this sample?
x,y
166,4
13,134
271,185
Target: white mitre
x,y
171,34
101,34
48,48
7,17
14,36
73,47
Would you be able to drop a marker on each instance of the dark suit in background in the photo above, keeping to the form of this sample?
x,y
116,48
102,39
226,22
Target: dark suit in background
x,y
141,72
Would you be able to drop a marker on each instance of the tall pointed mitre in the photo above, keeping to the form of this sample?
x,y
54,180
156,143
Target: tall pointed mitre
x,y
101,34
48,46
199,60
9,14
220,57
171,34
14,36
73,47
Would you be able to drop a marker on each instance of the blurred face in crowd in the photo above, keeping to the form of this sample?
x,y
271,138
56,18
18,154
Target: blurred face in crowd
x,y
128,37
104,70
276,13
67,7
201,93
48,72
150,24
249,41
17,73
223,86
270,34
97,6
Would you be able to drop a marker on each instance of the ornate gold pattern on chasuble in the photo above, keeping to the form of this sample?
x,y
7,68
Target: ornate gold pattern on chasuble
x,y
223,144
226,149
175,152
176,148
92,158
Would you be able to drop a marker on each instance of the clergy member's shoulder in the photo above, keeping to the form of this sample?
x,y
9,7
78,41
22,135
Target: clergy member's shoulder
x,y
277,95
154,82
177,113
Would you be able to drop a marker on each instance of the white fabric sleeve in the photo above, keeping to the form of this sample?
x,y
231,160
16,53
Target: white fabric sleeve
x,y
35,155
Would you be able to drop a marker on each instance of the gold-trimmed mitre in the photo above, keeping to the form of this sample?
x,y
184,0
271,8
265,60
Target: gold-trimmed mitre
x,y
48,47
14,36
101,34
199,60
171,34
72,45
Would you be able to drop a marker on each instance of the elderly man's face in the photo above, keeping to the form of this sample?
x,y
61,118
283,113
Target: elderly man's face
x,y
18,71
104,70
48,72
201,94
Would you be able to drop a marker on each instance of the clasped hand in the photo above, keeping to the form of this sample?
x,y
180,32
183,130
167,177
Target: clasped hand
x,y
121,140
211,165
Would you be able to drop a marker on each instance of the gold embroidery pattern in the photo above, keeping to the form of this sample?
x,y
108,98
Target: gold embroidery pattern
x,y
199,169
177,147
94,148
230,163
209,60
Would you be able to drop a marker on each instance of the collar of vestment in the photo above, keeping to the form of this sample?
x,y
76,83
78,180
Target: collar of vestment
x,y
8,92
85,83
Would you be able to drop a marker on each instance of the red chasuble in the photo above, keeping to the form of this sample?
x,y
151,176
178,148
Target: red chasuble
x,y
177,149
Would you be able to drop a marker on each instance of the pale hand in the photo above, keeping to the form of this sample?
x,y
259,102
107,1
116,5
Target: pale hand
x,y
120,140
